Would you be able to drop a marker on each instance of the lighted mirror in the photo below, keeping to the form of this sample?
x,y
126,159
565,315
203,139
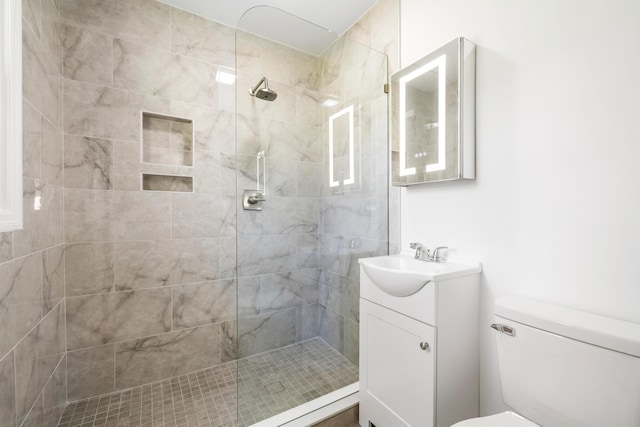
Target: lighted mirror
x,y
11,115
341,148
433,117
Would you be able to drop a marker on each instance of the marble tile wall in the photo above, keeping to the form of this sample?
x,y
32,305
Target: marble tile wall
x,y
278,247
32,334
150,275
354,218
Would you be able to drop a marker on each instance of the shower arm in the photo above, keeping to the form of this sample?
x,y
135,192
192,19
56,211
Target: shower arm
x,y
255,88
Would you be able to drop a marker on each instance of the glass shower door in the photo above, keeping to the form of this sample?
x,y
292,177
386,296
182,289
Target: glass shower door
x,y
312,187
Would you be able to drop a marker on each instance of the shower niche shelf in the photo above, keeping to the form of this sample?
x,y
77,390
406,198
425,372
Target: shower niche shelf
x,y
173,183
167,140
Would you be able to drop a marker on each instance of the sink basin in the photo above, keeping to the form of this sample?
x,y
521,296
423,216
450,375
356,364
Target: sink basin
x,y
402,275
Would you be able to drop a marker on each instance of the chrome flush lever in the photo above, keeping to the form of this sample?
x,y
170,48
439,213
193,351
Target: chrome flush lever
x,y
507,330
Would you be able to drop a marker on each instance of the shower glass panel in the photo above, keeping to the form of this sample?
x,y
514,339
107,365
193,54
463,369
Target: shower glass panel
x,y
311,117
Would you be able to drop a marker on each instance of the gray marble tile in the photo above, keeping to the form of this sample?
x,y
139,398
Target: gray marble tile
x,y
37,356
291,289
117,215
266,254
203,303
89,268
206,172
103,112
289,140
229,341
227,257
51,154
143,21
248,296
282,177
100,319
32,14
167,355
289,215
31,118
35,418
307,107
248,134
126,166
340,294
87,216
88,56
42,84
20,298
331,328
248,52
202,39
352,341
88,163
308,179
266,332
340,255
289,66
54,395
6,247
307,251
202,215
307,322
7,391
140,216
42,228
362,217
167,262
90,372
31,153
53,272
213,129
51,33
157,72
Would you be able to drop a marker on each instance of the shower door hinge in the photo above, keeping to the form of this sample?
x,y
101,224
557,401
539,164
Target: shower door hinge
x,y
386,88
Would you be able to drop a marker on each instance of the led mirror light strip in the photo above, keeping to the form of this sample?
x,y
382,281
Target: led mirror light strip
x,y
441,64
350,179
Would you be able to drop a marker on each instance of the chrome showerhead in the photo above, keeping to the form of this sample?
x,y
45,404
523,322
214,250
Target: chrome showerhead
x,y
264,93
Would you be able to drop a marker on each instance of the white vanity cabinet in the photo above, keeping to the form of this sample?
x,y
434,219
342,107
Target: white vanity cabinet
x,y
419,353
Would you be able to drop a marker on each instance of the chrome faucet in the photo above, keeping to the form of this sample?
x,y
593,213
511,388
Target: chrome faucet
x,y
431,257
420,248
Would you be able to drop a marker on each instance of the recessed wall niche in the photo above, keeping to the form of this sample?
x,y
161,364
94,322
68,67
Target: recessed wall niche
x,y
167,140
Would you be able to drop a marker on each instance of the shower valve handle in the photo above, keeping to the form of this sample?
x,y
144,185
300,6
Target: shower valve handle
x,y
255,198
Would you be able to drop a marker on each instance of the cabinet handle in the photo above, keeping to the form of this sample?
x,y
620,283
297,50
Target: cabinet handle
x,y
424,345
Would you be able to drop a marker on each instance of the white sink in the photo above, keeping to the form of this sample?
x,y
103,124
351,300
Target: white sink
x,y
402,275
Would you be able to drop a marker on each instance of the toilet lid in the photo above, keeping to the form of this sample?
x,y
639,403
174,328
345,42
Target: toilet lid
x,y
505,419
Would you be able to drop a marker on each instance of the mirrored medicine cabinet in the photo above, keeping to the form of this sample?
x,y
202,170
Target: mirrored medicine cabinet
x,y
433,117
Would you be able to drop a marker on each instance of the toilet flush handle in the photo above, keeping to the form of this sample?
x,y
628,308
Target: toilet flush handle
x,y
424,345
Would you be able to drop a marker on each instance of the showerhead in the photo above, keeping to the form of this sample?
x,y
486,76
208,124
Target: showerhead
x,y
264,93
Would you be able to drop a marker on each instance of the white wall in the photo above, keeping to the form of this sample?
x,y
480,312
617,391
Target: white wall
x,y
555,211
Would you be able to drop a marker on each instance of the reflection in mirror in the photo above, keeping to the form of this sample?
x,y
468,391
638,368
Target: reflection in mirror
x,y
433,103
341,148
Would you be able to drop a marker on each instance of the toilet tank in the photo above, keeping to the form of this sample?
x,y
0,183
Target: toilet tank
x,y
564,367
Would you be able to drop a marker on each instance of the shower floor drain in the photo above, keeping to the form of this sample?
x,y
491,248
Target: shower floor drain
x,y
275,388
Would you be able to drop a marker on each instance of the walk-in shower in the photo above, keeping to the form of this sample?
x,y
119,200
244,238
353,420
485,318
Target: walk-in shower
x,y
319,156
180,307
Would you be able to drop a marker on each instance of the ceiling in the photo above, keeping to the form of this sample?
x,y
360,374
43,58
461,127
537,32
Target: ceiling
x,y
334,15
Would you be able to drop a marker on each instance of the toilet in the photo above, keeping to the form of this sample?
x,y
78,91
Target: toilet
x,y
561,367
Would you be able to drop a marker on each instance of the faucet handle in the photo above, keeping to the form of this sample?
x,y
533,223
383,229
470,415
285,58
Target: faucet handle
x,y
436,253
414,245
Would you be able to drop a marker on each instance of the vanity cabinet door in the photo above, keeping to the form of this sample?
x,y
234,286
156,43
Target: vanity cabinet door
x,y
397,366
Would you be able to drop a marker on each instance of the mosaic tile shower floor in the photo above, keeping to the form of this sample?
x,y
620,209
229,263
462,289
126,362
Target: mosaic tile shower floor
x,y
269,383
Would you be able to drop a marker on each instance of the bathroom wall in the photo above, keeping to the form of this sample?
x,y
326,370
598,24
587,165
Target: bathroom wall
x,y
150,288
278,246
32,352
553,213
353,215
